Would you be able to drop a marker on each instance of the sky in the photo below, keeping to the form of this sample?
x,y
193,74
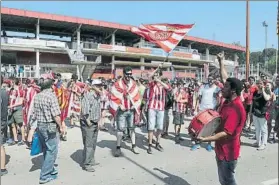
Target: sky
x,y
223,21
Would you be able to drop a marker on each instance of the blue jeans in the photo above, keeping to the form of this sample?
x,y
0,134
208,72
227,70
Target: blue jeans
x,y
226,171
49,143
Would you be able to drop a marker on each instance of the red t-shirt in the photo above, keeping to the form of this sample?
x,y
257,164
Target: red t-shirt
x,y
233,117
251,91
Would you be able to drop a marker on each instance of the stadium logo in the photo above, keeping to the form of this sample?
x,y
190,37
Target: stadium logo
x,y
160,35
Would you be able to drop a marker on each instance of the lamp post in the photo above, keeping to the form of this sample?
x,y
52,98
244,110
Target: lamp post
x,y
265,25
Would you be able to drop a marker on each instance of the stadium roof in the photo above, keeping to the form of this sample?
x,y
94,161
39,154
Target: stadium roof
x,y
15,18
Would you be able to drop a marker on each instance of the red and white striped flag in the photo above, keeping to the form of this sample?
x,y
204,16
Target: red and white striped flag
x,y
167,36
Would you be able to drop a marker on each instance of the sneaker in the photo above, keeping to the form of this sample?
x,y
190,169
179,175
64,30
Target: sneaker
x,y
13,143
95,164
134,150
149,150
89,169
104,129
20,143
164,135
262,147
271,141
255,145
4,172
51,178
54,172
159,147
209,148
117,152
28,144
195,147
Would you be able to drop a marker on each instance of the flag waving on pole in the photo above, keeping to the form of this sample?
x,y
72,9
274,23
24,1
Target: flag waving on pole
x,y
167,36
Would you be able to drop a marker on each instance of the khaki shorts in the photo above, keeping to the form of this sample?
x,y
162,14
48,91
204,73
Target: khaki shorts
x,y
16,117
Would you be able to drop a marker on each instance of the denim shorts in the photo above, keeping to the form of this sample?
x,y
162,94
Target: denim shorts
x,y
155,119
125,119
226,171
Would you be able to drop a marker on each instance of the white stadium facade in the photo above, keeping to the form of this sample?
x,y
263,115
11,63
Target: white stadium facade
x,y
39,42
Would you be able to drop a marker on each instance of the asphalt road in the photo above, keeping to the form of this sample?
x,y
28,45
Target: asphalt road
x,y
177,165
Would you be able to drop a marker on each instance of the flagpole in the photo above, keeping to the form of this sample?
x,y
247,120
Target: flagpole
x,y
247,39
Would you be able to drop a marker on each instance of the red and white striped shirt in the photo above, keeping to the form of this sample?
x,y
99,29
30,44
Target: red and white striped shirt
x,y
180,107
156,96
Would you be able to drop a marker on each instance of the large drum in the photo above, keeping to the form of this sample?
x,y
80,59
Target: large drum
x,y
204,124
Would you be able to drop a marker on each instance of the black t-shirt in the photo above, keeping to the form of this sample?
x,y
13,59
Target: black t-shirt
x,y
4,104
259,105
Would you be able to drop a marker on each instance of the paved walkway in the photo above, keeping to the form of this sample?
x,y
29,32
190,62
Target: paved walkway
x,y
177,165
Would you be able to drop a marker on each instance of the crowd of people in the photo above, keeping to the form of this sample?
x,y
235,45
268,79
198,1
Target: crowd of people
x,y
43,106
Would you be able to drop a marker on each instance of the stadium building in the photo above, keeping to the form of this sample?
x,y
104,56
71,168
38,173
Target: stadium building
x,y
33,43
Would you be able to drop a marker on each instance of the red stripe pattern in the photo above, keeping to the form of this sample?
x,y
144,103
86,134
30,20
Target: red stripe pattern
x,y
156,96
126,95
167,36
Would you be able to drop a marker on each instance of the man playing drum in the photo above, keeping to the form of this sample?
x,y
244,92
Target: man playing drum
x,y
208,99
227,137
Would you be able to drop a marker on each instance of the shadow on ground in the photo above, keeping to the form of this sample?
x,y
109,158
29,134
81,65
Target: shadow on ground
x,y
169,180
37,163
77,157
8,159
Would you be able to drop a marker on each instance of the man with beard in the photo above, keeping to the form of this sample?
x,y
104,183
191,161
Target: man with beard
x,y
47,114
227,137
208,99
90,116
125,103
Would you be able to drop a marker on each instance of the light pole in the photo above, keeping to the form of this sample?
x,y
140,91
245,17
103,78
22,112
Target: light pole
x,y
265,25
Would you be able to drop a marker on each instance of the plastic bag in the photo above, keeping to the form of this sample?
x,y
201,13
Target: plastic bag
x,y
36,147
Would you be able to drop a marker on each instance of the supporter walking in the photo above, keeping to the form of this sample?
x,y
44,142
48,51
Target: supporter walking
x,y
124,104
156,108
90,116
47,114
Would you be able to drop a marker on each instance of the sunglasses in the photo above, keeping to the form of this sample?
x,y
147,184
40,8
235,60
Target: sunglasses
x,y
128,74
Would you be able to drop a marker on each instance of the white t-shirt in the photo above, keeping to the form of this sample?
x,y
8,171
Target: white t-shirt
x,y
208,97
